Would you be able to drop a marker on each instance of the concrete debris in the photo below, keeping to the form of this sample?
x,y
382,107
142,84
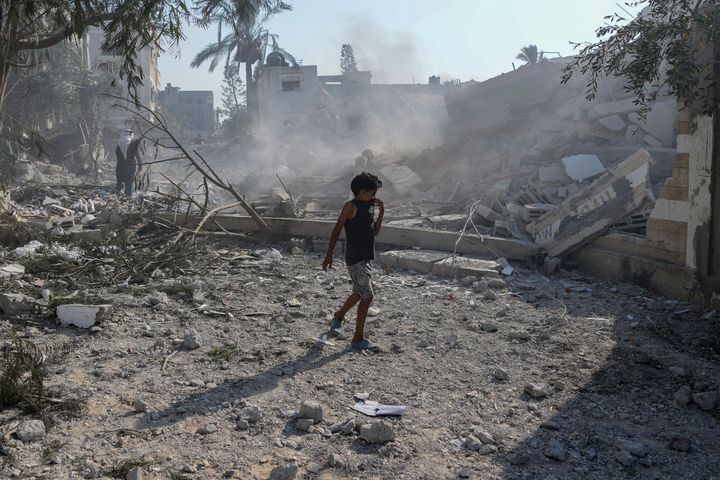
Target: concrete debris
x,y
586,215
30,430
377,432
582,167
284,472
82,316
12,304
311,410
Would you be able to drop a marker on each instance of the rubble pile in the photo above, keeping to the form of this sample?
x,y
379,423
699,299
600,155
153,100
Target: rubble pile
x,y
521,145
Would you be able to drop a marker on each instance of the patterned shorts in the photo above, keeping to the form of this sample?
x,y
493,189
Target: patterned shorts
x,y
360,276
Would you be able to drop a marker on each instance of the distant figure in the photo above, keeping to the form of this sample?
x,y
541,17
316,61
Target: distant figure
x,y
128,158
357,218
199,140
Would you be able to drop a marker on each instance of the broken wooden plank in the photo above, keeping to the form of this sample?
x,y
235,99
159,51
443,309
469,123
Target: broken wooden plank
x,y
588,214
389,235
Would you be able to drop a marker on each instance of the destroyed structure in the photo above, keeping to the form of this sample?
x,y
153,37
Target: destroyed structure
x,y
182,327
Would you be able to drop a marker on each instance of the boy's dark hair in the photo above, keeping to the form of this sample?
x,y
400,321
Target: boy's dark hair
x,y
365,181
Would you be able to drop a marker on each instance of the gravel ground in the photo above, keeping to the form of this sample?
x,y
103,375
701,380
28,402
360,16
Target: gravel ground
x,y
203,377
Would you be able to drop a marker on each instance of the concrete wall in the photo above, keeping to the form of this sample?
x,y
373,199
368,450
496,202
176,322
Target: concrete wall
x,y
277,106
673,256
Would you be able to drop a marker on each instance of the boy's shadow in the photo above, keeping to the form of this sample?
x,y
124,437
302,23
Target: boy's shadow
x,y
230,390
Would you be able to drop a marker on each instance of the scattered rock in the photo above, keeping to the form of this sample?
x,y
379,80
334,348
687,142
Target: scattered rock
x,y
284,472
313,467
488,449
500,375
377,432
555,450
335,461
251,414
496,283
679,443
207,429
624,458
305,424
636,449
242,424
140,406
520,336
480,287
464,473
489,327
311,410
30,430
519,459
490,295
373,312
484,437
683,395
346,426
536,390
706,400
158,298
472,443
192,339
12,304
468,281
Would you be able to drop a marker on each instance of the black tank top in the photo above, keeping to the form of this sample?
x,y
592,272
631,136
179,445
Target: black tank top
x,y
360,234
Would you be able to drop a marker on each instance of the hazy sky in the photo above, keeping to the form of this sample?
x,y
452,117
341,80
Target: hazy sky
x,y
406,40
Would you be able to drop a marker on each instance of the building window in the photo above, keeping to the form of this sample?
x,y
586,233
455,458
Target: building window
x,y
290,85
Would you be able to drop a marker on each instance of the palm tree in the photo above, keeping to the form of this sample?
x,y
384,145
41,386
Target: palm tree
x,y
530,54
246,42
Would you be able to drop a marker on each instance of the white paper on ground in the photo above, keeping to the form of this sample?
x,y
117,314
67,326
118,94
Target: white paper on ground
x,y
375,409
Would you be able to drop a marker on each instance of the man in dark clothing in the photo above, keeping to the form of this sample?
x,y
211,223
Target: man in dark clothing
x,y
357,218
128,158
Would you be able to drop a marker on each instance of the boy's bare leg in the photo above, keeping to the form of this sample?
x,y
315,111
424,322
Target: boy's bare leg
x,y
349,303
361,316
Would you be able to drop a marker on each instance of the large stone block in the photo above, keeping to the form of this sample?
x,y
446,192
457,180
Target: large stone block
x,y
83,316
464,266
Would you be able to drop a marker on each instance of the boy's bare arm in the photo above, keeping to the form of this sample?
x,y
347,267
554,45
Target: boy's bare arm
x,y
381,212
345,214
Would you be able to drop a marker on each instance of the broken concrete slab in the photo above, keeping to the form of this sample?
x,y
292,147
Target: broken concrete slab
x,y
454,222
465,266
440,264
614,123
12,304
12,270
659,122
586,215
468,244
83,316
553,174
612,108
418,260
533,211
582,167
486,213
401,178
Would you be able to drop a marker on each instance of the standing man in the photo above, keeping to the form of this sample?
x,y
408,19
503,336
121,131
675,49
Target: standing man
x,y
128,158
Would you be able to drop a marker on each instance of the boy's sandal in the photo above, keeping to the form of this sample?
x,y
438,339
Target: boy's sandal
x,y
366,345
335,327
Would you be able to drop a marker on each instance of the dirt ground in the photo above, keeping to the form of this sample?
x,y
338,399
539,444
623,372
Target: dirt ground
x,y
606,358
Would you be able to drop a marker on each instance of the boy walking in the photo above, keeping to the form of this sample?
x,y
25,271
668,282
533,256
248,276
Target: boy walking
x,y
361,228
